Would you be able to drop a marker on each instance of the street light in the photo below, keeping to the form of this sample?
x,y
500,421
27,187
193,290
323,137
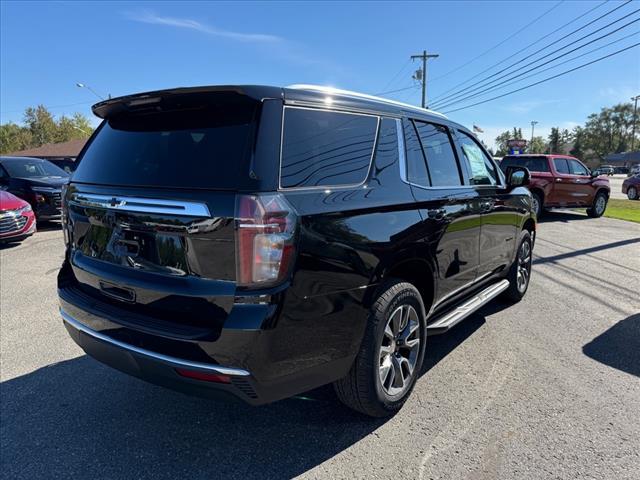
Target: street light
x,y
82,85
533,124
633,131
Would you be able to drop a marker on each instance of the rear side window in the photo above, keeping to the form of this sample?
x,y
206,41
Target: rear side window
x,y
561,164
416,163
533,164
441,160
205,146
483,171
322,148
577,168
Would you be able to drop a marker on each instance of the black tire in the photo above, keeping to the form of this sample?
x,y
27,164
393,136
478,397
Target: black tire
x,y
632,193
598,208
538,204
520,267
362,389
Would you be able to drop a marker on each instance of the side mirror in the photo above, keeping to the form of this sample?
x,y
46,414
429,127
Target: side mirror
x,y
517,177
595,173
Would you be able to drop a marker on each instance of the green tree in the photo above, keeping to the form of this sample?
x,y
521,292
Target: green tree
x,y
41,124
555,144
41,127
537,145
578,141
14,138
609,131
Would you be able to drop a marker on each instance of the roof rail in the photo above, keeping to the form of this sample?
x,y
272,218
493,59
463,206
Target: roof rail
x,y
349,93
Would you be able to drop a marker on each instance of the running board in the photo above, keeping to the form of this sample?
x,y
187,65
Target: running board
x,y
455,316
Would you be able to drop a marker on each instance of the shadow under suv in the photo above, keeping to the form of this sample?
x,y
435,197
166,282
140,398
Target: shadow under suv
x,y
258,242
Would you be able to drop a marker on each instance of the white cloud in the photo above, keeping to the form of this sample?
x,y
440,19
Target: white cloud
x,y
187,23
619,94
528,106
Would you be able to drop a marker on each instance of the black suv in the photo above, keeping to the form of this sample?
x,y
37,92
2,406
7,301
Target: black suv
x,y
37,181
259,242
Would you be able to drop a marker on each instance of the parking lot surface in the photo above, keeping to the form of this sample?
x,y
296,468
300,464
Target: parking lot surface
x,y
548,388
615,183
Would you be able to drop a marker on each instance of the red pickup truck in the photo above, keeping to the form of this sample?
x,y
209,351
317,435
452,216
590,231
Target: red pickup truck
x,y
562,181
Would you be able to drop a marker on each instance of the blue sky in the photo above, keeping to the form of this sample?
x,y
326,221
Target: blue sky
x,y
124,47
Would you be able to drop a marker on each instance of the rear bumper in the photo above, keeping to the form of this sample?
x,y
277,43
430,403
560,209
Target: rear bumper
x,y
255,387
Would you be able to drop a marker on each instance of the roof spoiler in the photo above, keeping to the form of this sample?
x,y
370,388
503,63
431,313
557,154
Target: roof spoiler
x,y
141,102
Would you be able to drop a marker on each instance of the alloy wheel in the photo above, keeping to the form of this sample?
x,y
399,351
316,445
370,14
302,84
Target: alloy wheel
x,y
524,266
399,350
632,193
601,204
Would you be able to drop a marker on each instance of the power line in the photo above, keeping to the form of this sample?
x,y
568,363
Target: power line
x,y
547,79
444,95
512,81
501,43
398,90
406,64
465,96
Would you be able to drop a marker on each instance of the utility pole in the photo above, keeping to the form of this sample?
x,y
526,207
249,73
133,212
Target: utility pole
x,y
533,125
421,74
635,119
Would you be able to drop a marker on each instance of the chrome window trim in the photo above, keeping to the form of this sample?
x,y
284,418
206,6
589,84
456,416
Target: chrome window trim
x,y
172,361
326,187
140,204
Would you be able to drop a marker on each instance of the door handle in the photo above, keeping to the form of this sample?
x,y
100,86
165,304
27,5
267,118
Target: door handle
x,y
486,206
436,213
558,179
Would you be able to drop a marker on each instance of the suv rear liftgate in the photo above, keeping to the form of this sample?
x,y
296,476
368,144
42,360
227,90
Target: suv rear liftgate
x,y
154,265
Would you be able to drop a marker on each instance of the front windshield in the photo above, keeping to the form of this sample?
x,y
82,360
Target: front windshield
x,y
31,167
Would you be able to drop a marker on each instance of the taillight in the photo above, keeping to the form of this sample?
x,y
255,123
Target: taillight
x,y
265,230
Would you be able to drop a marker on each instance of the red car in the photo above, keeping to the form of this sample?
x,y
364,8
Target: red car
x,y
562,181
17,220
631,186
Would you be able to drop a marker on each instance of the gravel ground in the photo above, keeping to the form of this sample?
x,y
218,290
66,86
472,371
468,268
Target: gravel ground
x,y
548,388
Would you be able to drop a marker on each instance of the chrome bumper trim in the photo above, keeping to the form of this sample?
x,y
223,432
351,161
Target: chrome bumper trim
x,y
172,361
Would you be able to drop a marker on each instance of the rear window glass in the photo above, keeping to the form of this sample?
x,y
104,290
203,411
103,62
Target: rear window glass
x,y
206,147
533,164
321,148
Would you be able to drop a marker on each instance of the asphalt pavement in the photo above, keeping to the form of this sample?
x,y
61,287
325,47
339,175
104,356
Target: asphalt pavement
x,y
545,389
615,183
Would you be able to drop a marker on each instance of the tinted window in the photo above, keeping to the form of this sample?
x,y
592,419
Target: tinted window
x,y
441,160
561,165
533,164
577,168
31,167
387,146
326,148
483,171
416,164
205,147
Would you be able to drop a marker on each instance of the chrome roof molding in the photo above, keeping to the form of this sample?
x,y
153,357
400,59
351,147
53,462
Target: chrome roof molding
x,y
349,93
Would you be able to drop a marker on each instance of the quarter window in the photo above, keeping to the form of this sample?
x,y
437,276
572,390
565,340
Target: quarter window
x,y
483,171
441,160
562,166
321,148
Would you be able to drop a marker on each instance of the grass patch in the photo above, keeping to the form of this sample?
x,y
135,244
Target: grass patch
x,y
623,210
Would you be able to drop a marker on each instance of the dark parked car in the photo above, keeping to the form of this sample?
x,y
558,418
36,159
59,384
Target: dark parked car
x,y
37,181
562,181
17,221
631,186
260,242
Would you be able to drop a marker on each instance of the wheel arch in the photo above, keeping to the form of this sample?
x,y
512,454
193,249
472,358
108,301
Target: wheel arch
x,y
413,269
